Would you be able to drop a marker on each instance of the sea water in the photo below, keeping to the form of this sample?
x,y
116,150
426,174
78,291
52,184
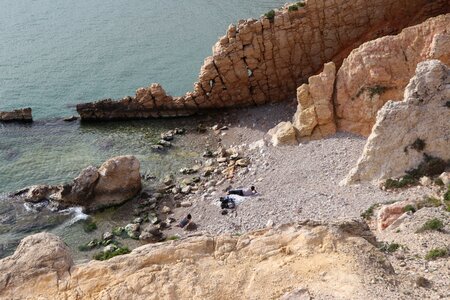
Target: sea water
x,y
57,53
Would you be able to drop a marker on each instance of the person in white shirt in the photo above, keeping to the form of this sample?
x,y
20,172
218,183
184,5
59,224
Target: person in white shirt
x,y
243,192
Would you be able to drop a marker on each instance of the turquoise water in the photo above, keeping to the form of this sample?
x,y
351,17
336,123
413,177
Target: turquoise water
x,y
56,53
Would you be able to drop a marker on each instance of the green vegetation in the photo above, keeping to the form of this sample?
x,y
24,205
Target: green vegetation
x,y
270,15
390,248
429,166
447,200
293,7
429,201
410,208
110,254
89,226
369,212
377,90
173,238
302,4
436,253
433,224
418,145
404,181
439,182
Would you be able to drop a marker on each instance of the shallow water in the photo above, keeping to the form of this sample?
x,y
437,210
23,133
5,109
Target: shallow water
x,y
57,53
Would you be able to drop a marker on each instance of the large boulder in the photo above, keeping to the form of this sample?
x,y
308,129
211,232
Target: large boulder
x,y
283,134
407,131
40,261
119,180
18,115
116,181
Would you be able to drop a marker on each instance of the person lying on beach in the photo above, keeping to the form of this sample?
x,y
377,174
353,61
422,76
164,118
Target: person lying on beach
x,y
243,192
185,221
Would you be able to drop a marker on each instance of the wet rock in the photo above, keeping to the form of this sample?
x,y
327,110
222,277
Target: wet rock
x,y
168,179
38,193
18,115
132,230
167,136
186,189
152,233
107,236
70,119
165,143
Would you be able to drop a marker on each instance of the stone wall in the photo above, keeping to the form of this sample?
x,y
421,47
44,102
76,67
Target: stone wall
x,y
260,61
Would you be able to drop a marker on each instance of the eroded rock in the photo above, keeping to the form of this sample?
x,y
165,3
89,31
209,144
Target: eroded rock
x,y
18,115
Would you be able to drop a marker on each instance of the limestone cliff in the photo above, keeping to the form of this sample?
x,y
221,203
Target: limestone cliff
x,y
372,74
326,261
406,130
264,60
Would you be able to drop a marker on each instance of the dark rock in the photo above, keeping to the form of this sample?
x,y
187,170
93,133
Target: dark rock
x,y
18,115
70,119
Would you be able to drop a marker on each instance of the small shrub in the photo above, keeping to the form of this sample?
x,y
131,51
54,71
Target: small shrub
x,y
418,145
390,248
293,7
429,166
377,90
436,253
110,254
89,226
433,224
270,15
406,180
302,4
447,196
84,247
439,182
447,104
173,238
429,201
368,213
409,208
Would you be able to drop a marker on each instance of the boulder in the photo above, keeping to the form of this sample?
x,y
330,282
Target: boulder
x,y
422,118
38,193
152,233
132,230
18,115
388,214
119,180
41,257
283,134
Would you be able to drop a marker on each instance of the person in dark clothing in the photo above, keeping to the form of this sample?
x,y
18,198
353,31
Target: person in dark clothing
x,y
185,221
243,192
227,202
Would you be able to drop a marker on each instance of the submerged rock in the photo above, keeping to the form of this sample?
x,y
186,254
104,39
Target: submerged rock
x,y
18,115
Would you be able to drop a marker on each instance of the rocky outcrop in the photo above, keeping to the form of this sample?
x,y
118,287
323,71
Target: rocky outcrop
x,y
315,113
40,261
265,60
117,180
372,74
18,115
379,71
405,131
328,261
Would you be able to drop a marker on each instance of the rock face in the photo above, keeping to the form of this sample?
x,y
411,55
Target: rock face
x,y
265,264
423,115
379,71
18,115
43,256
117,180
315,112
265,60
